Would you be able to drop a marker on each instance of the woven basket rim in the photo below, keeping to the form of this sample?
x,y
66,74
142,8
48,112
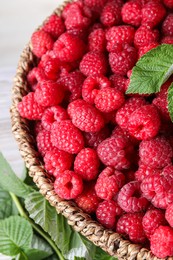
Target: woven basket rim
x,y
108,240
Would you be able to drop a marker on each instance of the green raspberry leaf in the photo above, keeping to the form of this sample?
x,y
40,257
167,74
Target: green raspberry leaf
x,y
152,70
170,101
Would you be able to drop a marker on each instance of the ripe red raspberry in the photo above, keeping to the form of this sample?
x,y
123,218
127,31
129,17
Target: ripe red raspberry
x,y
144,122
87,164
88,200
167,40
29,108
44,143
132,13
115,151
93,64
152,219
68,185
169,214
157,152
119,35
144,49
111,14
167,25
107,212
119,82
108,183
130,198
53,114
168,3
145,36
94,139
37,127
54,26
49,93
127,109
95,4
109,99
130,225
41,42
57,161
161,242
34,76
118,131
123,61
69,48
97,40
152,14
145,171
91,87
84,116
65,136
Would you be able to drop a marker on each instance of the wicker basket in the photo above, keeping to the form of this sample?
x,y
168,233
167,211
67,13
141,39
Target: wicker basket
x,y
108,240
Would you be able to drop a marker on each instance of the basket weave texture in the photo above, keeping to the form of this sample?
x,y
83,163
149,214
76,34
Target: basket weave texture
x,y
108,240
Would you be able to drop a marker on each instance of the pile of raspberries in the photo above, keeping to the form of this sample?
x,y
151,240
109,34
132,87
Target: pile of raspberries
x,y
109,152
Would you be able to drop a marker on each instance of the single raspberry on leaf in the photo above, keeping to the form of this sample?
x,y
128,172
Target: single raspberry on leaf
x,y
44,143
94,64
161,242
108,183
54,26
130,198
111,14
168,3
65,136
97,40
109,99
68,185
145,171
152,219
84,116
57,161
41,42
169,214
167,25
29,108
144,49
94,139
87,164
119,82
49,93
145,36
132,13
130,225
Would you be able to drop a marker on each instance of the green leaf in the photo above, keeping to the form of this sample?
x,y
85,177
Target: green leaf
x,y
5,204
102,255
10,182
79,258
15,234
152,70
170,101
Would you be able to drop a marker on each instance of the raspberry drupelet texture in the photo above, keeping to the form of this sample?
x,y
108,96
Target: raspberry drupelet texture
x,y
95,4
167,25
68,185
145,171
130,225
44,143
144,49
65,136
119,82
169,214
94,139
111,14
97,40
54,26
34,76
87,164
145,36
84,116
168,3
132,13
108,183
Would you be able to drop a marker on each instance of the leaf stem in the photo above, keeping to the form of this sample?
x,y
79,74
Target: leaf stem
x,y
35,227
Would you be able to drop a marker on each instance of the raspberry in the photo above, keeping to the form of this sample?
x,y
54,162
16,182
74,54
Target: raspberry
x,y
111,14
152,219
87,164
115,151
109,99
157,152
130,225
95,4
127,109
69,48
121,62
119,82
125,134
169,214
49,93
152,14
34,76
108,183
37,127
91,87
53,114
167,25
119,35
88,200
41,42
94,139
68,185
161,242
144,49
132,13
145,36
29,108
107,212
57,161
145,171
94,64
54,26
84,116
65,136
130,199
167,40
44,143
97,40
144,122
168,3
